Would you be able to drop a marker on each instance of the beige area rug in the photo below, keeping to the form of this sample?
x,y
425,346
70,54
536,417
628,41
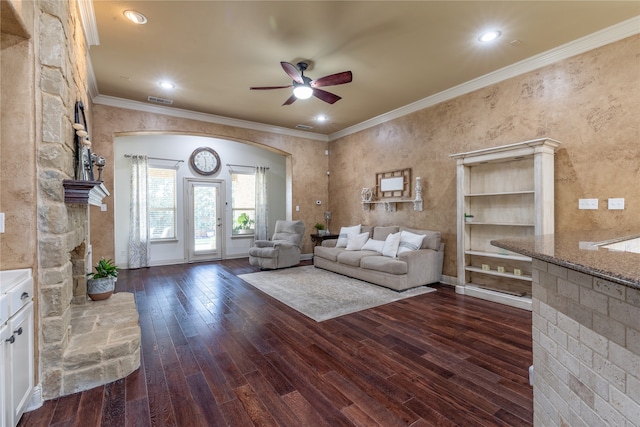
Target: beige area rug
x,y
321,294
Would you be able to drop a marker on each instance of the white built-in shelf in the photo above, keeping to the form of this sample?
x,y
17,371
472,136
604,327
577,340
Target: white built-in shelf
x,y
514,257
502,193
507,224
509,191
499,274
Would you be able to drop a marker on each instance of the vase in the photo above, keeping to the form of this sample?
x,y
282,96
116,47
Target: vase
x,y
101,289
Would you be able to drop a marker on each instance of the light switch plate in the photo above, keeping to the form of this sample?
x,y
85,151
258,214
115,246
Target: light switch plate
x,y
588,204
616,204
1,222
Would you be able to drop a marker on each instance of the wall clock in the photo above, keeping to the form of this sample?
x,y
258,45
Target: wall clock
x,y
205,161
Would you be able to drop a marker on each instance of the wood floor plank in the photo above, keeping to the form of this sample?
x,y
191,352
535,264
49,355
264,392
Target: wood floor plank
x,y
216,351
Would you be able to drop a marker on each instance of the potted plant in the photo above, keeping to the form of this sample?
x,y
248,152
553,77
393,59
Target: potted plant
x,y
244,224
319,228
468,217
101,284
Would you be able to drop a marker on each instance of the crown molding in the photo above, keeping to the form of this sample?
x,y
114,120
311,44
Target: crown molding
x,y
592,41
203,117
89,23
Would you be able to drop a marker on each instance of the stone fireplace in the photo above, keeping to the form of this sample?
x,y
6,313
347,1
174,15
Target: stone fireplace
x,y
79,343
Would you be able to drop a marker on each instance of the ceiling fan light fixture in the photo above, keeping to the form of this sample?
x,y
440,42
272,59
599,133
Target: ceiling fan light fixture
x,y
303,92
489,36
135,17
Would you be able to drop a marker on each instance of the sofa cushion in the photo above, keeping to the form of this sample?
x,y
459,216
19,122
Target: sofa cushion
x,y
345,232
354,258
373,245
431,240
357,241
391,244
409,241
381,233
384,264
328,253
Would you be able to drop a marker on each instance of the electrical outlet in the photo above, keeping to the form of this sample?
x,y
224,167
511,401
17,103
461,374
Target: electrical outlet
x,y
103,207
588,204
297,208
1,222
616,204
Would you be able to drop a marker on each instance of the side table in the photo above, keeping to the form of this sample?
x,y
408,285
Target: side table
x,y
317,239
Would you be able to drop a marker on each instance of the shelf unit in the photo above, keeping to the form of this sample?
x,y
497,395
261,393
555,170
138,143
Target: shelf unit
x,y
510,192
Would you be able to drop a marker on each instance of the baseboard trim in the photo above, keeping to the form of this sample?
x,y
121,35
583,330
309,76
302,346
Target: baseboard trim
x,y
36,400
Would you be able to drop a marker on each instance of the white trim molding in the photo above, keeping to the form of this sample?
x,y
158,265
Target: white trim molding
x,y
203,117
89,23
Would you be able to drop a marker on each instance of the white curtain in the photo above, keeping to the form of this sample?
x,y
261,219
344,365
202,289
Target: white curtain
x,y
139,214
262,211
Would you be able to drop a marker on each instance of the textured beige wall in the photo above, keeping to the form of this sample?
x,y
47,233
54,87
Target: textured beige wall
x,y
306,157
17,147
591,103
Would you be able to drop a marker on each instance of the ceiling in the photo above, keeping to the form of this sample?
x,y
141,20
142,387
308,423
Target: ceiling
x,y
399,52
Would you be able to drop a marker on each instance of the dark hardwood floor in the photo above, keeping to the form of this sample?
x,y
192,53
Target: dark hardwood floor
x,y
218,352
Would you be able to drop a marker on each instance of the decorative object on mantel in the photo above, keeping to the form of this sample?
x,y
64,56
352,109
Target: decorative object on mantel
x,y
101,284
417,202
84,188
394,184
392,188
367,194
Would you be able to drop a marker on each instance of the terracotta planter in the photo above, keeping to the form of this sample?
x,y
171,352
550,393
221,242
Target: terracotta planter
x,y
101,289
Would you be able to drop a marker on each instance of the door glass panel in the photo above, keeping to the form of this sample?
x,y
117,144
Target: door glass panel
x,y
204,218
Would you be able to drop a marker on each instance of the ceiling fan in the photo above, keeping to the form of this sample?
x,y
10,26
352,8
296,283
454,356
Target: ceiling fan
x,y
304,87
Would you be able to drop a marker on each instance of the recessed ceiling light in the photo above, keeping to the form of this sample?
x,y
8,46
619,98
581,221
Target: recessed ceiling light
x,y
135,17
489,36
321,118
166,85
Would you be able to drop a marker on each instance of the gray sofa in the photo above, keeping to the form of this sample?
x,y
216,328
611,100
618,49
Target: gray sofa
x,y
409,269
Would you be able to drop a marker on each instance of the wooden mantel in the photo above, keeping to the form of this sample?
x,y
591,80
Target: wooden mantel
x,y
84,192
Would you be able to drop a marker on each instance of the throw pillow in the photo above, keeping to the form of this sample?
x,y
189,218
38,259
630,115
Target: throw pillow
x,y
355,242
391,244
373,245
409,241
345,232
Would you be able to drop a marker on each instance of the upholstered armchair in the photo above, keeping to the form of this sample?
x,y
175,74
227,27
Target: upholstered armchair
x,y
284,248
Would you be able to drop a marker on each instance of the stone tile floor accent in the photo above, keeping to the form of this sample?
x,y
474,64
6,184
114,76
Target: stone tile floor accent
x,y
104,343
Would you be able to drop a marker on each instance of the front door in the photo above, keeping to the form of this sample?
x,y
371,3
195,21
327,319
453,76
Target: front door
x,y
204,219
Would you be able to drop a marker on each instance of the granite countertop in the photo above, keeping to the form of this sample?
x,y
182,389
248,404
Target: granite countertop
x,y
584,251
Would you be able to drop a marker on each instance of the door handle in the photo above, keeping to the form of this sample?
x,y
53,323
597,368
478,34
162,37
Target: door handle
x,y
18,331
11,339
24,295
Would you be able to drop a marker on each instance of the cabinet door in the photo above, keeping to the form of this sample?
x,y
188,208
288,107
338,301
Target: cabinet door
x,y
20,357
4,378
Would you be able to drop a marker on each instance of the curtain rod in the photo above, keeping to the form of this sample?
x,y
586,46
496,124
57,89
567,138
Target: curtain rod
x,y
158,158
243,166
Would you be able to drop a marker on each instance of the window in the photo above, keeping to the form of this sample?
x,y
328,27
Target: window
x,y
243,203
162,203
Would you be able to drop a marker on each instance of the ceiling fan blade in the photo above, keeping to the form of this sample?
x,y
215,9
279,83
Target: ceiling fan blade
x,y
292,71
269,87
333,79
325,96
290,100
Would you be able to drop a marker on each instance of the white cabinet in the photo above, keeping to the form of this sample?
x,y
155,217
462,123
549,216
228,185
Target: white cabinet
x,y
16,344
509,190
